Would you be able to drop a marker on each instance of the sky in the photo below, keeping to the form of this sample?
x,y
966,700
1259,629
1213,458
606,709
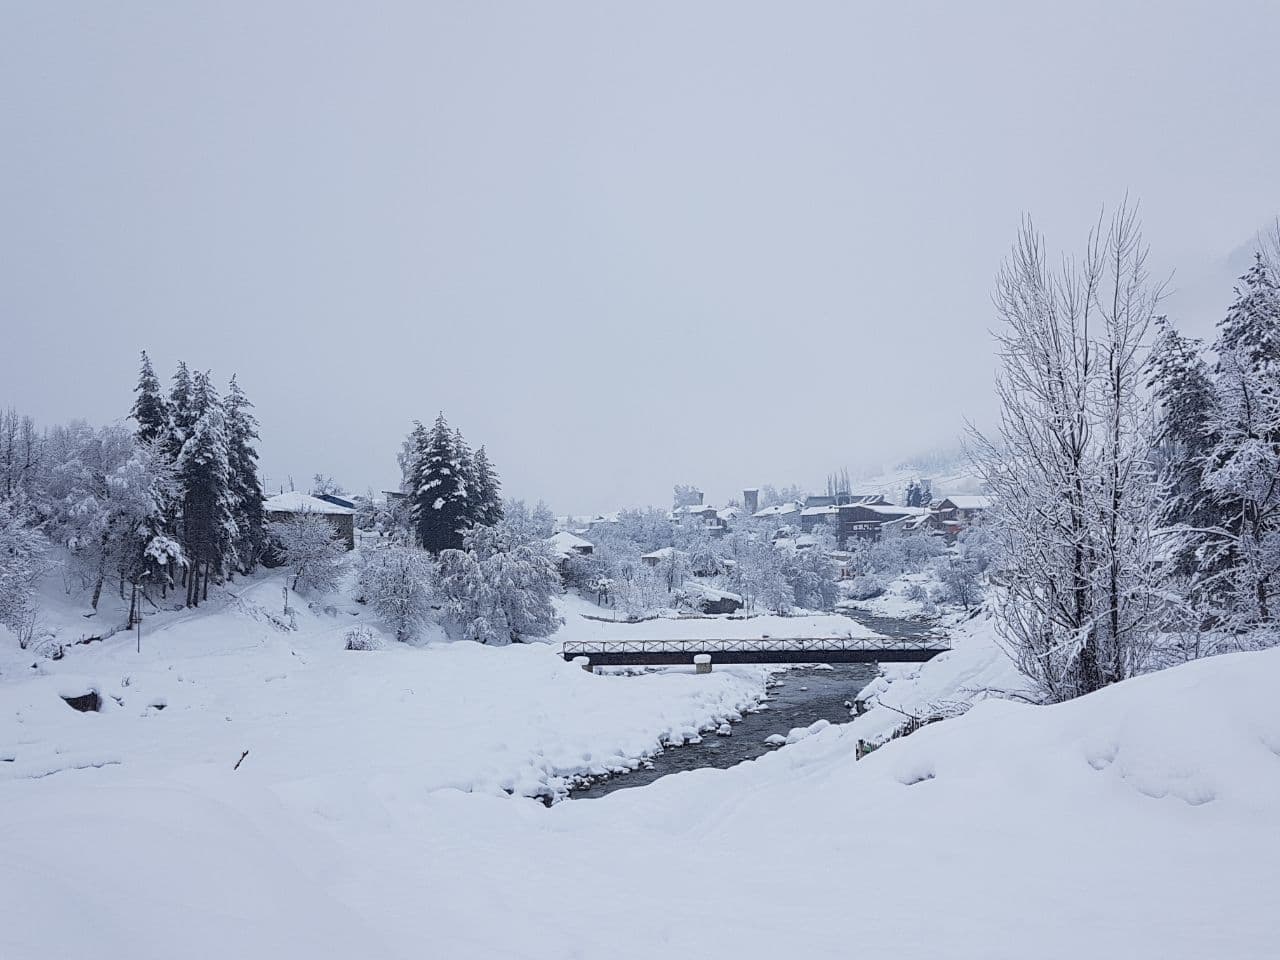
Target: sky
x,y
622,245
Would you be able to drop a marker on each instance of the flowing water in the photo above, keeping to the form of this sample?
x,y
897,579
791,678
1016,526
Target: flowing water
x,y
796,698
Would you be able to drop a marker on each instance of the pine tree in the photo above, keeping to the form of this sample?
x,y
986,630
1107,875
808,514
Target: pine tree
x,y
208,522
487,491
1251,327
150,411
243,482
466,478
1183,390
437,496
181,414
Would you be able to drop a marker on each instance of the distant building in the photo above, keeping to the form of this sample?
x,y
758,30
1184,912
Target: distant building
x,y
337,500
292,504
707,599
564,545
863,521
751,500
952,514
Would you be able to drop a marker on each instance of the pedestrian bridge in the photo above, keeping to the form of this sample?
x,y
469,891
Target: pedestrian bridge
x,y
617,653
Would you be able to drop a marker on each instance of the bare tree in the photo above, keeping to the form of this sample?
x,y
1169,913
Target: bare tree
x,y
1069,468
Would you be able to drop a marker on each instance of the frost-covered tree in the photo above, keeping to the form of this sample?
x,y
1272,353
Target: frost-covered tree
x,y
758,574
182,414
21,457
961,582
464,461
396,582
209,530
323,485
1075,493
150,411
528,524
438,496
1242,474
22,563
243,484
499,589
685,495
811,574
310,548
1182,386
486,491
648,528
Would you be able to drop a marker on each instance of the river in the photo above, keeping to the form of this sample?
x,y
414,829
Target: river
x,y
796,698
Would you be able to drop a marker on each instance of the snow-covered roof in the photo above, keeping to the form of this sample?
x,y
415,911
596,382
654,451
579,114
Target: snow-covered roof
x,y
969,502
819,511
696,588
660,554
295,502
778,510
564,544
891,510
728,513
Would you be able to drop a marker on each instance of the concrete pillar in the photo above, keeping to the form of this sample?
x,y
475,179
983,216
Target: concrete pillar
x,y
702,663
584,663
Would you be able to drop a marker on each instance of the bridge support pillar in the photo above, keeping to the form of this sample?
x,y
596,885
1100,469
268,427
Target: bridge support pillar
x,y
702,663
584,663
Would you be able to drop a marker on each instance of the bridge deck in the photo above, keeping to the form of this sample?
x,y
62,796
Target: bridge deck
x,y
606,653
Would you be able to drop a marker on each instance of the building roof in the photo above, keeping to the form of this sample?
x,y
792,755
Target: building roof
x,y
888,509
819,511
968,502
295,502
564,544
778,510
660,554
692,588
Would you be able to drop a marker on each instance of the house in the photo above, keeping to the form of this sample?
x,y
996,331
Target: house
x,y
657,556
954,513
292,504
962,507
565,545
337,500
863,521
810,517
782,512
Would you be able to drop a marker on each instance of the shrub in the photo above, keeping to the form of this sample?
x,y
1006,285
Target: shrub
x,y
362,638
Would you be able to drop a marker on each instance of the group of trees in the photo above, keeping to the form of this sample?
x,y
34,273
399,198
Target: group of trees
x,y
1219,445
174,500
204,444
1123,515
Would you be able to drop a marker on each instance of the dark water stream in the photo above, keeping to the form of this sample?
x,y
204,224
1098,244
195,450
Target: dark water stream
x,y
796,698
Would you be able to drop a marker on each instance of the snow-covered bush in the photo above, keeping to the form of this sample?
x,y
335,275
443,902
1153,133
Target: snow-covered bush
x,y
866,586
309,546
396,582
917,592
641,593
362,638
499,589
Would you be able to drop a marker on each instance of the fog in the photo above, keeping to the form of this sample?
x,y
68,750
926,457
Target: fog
x,y
621,245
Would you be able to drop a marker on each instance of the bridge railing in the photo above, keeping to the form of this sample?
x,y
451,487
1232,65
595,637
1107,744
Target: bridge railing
x,y
573,648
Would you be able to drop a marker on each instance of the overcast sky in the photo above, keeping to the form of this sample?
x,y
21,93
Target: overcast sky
x,y
624,244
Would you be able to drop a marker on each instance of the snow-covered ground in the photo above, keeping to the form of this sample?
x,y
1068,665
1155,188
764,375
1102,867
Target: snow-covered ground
x,y
371,816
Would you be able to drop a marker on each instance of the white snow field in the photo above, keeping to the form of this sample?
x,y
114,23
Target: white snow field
x,y
370,817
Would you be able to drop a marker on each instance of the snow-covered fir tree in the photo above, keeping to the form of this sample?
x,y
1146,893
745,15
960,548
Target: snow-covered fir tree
x,y
182,415
209,531
486,495
150,411
466,469
438,496
242,477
